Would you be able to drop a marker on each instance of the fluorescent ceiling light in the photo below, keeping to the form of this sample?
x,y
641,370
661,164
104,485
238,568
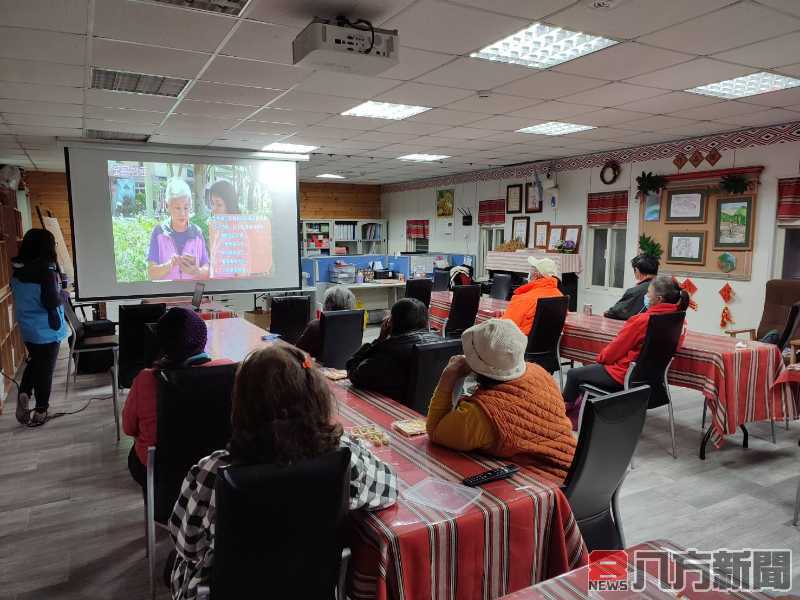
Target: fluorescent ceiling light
x,y
541,46
330,176
747,85
279,147
554,128
384,110
423,157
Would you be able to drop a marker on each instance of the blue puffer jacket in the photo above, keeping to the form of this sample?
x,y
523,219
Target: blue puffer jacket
x,y
38,301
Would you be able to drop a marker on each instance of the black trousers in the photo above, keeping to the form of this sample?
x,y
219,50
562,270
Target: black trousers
x,y
38,377
591,374
137,469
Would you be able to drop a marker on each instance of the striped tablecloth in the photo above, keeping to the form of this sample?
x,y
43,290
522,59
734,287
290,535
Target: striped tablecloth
x,y
575,584
520,532
440,308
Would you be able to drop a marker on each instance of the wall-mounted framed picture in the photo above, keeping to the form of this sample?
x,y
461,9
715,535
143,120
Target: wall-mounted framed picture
x,y
555,233
540,229
733,228
572,233
686,206
533,201
686,248
514,199
519,229
652,207
445,203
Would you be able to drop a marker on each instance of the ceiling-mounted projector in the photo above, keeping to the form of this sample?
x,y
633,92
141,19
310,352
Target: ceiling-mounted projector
x,y
346,46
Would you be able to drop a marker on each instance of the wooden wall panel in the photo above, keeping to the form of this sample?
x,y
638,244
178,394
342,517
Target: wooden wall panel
x,y
49,192
339,201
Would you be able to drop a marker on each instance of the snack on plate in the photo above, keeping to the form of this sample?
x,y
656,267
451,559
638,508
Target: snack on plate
x,y
334,374
371,434
410,427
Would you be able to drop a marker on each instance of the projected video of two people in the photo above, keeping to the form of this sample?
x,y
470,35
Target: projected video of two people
x,y
189,221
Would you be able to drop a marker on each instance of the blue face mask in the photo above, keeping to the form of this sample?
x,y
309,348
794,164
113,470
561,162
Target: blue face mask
x,y
646,301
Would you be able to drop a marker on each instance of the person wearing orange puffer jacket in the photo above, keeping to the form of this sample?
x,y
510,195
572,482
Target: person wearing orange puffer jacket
x,y
543,284
517,410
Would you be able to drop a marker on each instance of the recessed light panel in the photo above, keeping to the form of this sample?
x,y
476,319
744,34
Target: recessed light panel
x,y
747,85
102,134
423,157
137,83
384,110
330,176
554,128
541,46
294,148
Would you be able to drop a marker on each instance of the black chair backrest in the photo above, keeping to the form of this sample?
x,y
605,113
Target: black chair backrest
x,y
545,333
420,289
609,431
660,344
463,309
501,286
792,326
133,319
150,347
274,523
193,419
341,332
441,280
427,363
289,316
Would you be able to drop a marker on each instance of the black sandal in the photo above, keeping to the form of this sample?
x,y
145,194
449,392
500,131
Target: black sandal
x,y
38,418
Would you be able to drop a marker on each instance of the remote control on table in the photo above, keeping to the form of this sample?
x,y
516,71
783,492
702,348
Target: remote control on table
x,y
491,475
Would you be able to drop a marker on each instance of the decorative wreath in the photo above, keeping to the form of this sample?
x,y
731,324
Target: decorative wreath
x,y
612,166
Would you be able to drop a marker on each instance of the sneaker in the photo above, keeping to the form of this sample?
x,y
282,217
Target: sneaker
x,y
39,417
23,413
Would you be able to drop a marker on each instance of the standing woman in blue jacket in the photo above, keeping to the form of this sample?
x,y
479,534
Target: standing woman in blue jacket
x,y
38,300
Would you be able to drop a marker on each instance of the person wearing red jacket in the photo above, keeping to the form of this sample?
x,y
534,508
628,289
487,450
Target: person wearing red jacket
x,y
663,296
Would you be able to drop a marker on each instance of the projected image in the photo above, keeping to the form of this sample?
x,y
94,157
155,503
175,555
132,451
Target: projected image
x,y
190,221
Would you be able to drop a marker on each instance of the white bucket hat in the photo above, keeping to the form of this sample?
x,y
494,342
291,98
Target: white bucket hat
x,y
495,349
545,266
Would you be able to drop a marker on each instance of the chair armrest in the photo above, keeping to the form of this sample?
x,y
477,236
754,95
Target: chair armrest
x,y
341,589
735,332
593,391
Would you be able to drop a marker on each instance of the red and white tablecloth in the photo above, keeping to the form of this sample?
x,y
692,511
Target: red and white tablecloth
x,y
520,532
440,308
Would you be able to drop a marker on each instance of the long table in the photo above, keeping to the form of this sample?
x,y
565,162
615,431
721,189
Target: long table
x,y
739,384
520,532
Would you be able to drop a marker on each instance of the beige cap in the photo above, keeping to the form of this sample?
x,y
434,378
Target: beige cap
x,y
545,266
495,349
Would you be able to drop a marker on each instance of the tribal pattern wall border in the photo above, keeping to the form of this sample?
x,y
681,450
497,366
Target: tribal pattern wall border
x,y
744,138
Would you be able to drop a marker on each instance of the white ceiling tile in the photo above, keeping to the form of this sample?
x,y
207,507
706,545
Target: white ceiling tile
x,y
789,6
608,116
692,74
343,84
502,123
32,107
247,139
440,27
553,111
771,116
464,133
413,127
474,74
445,116
357,123
314,102
151,60
32,71
495,104
45,130
180,139
421,94
549,85
243,143
291,117
484,145
125,115
257,127
239,71
34,44
601,133
51,93
700,129
776,52
633,138
159,25
776,99
299,14
670,102
622,61
56,15
114,125
263,42
42,120
235,94
109,99
791,70
711,33
386,137
613,94
658,123
595,145
524,9
213,109
720,110
414,62
328,133
185,124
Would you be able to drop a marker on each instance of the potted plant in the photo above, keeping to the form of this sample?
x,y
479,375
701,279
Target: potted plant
x,y
647,183
733,184
649,247
565,247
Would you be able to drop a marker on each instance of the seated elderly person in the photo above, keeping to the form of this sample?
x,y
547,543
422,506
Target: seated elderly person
x,y
383,366
516,411
543,284
336,298
645,268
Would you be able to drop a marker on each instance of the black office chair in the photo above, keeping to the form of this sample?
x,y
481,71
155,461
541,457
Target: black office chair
x,y
652,367
427,363
132,321
441,280
544,338
420,289
151,350
341,332
463,310
501,287
610,427
193,419
792,328
289,316
275,523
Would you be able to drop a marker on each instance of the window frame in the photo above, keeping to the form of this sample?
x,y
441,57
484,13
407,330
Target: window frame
x,y
610,255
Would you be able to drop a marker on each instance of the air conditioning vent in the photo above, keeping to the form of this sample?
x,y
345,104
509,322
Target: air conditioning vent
x,y
102,134
137,83
227,7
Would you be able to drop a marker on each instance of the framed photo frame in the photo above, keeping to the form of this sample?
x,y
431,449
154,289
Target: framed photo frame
x,y
540,229
573,233
445,203
686,206
555,233
533,203
652,208
686,248
733,225
514,199
520,229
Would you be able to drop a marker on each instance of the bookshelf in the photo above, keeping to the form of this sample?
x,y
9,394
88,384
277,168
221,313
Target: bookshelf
x,y
320,237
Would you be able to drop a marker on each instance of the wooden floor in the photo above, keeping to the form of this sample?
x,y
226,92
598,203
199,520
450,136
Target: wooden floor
x,y
71,519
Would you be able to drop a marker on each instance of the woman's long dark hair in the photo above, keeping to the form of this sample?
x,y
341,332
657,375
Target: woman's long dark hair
x,y
38,244
669,290
282,409
225,190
